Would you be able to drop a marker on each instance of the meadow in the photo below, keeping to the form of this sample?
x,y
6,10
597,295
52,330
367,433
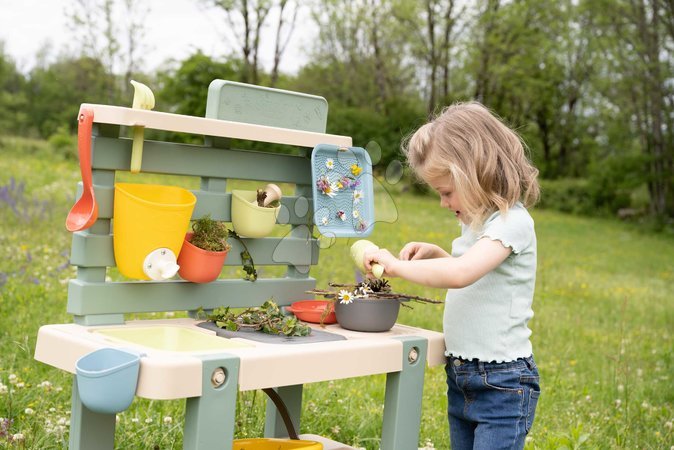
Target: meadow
x,y
602,332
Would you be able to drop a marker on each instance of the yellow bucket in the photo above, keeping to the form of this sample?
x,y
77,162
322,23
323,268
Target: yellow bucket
x,y
275,444
147,218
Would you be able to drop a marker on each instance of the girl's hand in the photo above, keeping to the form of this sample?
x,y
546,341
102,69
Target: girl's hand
x,y
421,250
382,257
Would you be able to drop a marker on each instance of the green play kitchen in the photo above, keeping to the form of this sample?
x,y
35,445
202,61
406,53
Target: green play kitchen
x,y
157,239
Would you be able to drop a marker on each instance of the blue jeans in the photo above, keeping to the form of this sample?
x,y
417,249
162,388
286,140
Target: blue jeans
x,y
491,405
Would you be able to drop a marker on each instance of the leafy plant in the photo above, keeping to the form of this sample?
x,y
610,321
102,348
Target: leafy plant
x,y
267,318
210,235
246,259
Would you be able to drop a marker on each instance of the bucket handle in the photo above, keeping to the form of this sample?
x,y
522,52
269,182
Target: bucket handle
x,y
283,411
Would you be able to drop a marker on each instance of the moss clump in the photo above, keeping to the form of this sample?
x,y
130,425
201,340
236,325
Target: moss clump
x,y
210,235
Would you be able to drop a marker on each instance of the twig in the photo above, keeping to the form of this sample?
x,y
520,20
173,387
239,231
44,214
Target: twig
x,y
375,295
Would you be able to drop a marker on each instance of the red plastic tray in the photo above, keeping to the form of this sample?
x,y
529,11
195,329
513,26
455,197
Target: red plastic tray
x,y
311,311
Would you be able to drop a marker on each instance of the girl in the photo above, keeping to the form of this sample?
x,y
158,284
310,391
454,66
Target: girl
x,y
479,167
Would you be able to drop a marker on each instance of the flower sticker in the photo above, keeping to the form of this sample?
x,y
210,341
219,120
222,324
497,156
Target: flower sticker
x,y
330,164
345,297
356,169
357,196
361,226
341,215
325,220
356,214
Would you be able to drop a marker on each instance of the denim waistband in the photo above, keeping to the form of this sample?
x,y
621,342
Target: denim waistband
x,y
475,365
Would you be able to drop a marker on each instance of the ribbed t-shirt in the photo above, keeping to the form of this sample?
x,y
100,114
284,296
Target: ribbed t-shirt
x,y
488,319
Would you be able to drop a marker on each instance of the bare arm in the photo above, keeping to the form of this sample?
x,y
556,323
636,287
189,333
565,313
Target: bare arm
x,y
421,250
446,272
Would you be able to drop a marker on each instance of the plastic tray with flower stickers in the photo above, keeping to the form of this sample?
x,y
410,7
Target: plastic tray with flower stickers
x,y
343,189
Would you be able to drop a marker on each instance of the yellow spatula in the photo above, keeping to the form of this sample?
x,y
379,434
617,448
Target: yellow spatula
x,y
143,98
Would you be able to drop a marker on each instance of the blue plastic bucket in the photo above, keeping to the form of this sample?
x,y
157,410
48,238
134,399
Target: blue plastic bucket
x,y
107,379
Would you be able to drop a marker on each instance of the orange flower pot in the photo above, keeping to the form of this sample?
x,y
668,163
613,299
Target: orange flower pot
x,y
198,265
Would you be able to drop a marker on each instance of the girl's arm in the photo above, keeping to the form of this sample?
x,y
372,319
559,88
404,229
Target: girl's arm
x,y
446,272
421,250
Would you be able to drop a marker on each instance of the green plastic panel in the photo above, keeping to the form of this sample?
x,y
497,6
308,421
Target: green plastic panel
x,y
240,102
196,160
92,250
404,392
89,430
138,296
210,418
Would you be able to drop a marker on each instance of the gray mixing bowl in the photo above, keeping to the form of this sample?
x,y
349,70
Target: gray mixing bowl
x,y
368,314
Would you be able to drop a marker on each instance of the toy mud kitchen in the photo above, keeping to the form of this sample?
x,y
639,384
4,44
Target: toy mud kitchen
x,y
140,229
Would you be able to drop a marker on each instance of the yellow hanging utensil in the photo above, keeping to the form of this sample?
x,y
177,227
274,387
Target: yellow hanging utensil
x,y
143,98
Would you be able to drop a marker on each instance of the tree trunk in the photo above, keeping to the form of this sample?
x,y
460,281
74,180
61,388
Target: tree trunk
x,y
380,68
281,44
432,55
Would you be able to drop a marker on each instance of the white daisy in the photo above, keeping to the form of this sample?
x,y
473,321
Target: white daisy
x,y
357,196
330,164
345,297
325,220
334,188
356,214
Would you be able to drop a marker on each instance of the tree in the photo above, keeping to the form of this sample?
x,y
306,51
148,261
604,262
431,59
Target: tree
x,y
184,90
56,92
13,116
284,31
246,19
100,33
432,25
638,45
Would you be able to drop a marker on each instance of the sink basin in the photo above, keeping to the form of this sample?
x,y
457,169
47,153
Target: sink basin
x,y
171,338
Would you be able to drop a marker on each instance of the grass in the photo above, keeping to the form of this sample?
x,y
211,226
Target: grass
x,y
602,332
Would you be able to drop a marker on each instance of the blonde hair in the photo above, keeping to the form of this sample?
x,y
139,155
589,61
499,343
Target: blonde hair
x,y
484,159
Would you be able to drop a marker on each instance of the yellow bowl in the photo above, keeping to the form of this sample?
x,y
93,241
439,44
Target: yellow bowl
x,y
250,220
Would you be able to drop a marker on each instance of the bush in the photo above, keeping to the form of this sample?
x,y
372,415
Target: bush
x,y
572,195
64,143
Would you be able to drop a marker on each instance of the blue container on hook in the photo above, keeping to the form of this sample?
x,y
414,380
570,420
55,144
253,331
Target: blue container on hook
x,y
107,379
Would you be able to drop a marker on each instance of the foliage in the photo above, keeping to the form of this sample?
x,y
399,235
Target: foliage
x,y
56,92
571,195
246,258
13,101
64,143
267,318
601,333
183,89
210,235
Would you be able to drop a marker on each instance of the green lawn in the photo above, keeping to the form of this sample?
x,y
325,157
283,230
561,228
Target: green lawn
x,y
602,332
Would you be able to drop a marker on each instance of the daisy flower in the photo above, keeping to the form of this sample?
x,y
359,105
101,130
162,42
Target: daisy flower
x,y
345,297
326,187
356,169
325,220
330,164
357,196
356,214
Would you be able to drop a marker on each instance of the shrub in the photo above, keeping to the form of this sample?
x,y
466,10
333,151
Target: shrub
x,y
572,195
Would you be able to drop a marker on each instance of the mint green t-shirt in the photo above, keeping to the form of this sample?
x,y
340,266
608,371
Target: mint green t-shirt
x,y
488,319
